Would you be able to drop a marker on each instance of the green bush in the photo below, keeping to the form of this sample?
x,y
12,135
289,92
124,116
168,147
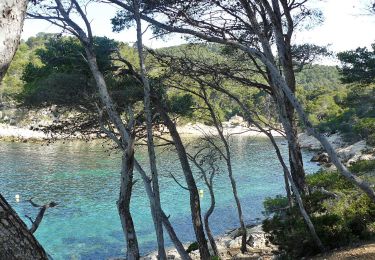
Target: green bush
x,y
339,220
371,139
328,180
192,247
272,205
361,167
365,127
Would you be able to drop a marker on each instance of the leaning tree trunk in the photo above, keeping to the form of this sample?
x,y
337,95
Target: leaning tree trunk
x,y
167,224
16,241
190,181
156,214
123,203
287,174
283,36
282,86
209,184
227,157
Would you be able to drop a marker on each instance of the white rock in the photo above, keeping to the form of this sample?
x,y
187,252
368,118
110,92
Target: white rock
x,y
235,243
349,152
367,157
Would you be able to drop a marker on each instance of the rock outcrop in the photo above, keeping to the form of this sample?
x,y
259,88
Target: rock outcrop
x,y
229,244
348,153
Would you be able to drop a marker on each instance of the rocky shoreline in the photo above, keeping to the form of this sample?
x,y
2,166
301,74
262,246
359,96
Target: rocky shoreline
x,y
24,125
349,153
21,134
258,247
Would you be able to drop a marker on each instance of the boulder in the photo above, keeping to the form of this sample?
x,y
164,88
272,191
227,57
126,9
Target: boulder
x,y
234,243
241,256
353,151
54,109
367,157
321,158
12,121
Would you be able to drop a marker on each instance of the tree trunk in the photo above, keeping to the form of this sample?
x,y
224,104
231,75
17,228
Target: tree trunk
x,y
249,119
156,214
115,118
296,192
12,14
123,202
227,157
288,175
207,215
283,87
190,181
295,155
127,161
16,241
168,226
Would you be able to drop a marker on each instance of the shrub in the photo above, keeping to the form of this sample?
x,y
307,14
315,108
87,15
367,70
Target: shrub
x,y
192,247
371,139
274,204
338,221
361,167
365,126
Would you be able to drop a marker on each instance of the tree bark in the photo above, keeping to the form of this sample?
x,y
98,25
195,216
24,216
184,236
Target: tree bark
x,y
210,186
282,86
286,172
209,183
12,15
16,241
190,181
284,48
168,226
296,192
123,202
127,160
156,214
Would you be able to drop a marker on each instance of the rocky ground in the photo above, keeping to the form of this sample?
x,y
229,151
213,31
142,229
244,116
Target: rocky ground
x,y
258,246
347,152
22,125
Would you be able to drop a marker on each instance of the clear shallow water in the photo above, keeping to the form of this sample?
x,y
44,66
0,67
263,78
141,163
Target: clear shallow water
x,y
84,179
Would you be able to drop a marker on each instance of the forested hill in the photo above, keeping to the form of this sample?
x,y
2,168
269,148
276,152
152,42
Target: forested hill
x,y
317,77
50,69
32,52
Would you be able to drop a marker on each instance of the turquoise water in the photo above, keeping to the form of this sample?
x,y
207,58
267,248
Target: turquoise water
x,y
84,179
